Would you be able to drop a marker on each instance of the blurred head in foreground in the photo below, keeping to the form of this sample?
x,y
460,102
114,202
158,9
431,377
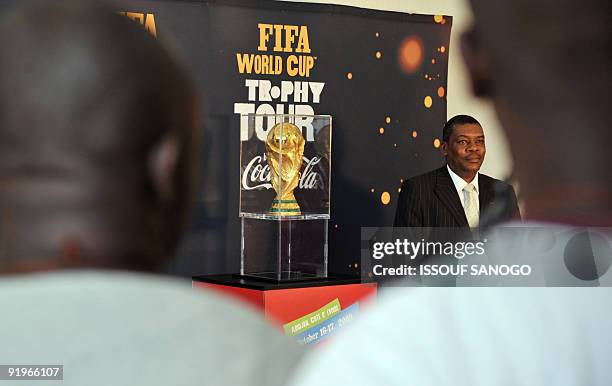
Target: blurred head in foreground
x,y
546,67
96,125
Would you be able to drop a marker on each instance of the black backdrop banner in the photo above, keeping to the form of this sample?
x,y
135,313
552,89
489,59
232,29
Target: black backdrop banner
x,y
381,75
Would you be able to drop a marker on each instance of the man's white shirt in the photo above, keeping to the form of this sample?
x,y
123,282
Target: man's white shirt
x,y
460,184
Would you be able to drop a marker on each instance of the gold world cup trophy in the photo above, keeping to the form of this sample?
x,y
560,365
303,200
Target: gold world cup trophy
x,y
284,150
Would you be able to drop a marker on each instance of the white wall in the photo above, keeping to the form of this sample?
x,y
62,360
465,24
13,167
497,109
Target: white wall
x,y
498,162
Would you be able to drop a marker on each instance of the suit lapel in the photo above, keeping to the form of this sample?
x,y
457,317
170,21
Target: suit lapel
x,y
446,192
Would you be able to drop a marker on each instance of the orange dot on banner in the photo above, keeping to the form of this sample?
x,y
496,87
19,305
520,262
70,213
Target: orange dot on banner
x,y
381,130
410,54
438,18
388,119
349,75
427,101
436,143
385,198
378,55
414,134
442,49
441,92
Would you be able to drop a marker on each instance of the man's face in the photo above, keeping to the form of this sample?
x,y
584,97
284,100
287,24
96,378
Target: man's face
x,y
465,150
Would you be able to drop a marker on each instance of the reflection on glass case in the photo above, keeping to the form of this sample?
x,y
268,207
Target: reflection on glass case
x,y
285,164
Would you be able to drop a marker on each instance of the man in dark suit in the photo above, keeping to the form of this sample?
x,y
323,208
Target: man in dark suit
x,y
457,195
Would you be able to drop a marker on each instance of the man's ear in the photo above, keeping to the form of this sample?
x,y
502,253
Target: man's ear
x,y
444,148
163,160
477,64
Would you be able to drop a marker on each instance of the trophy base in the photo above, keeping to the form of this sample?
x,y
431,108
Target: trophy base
x,y
281,277
284,208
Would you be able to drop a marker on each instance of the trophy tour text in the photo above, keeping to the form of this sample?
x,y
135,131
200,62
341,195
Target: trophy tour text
x,y
284,56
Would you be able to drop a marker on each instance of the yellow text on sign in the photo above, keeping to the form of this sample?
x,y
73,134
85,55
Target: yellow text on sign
x,y
145,19
287,38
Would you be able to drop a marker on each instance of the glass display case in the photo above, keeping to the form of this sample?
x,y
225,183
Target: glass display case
x,y
285,182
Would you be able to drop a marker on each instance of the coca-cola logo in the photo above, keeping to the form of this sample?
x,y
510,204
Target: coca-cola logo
x,y
256,174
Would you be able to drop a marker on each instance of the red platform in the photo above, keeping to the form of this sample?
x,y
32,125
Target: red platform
x,y
286,302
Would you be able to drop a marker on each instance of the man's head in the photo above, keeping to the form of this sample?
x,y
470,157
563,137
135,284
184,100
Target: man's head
x,y
545,65
96,125
464,145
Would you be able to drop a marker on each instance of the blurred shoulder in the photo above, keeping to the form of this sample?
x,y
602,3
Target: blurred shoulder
x,y
95,320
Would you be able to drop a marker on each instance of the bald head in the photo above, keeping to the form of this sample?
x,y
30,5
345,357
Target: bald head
x,y
80,81
96,121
